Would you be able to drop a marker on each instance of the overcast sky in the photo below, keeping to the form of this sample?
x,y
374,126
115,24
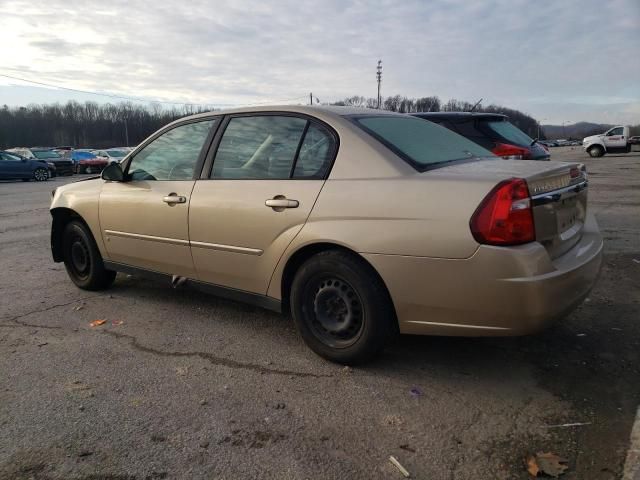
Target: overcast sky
x,y
566,60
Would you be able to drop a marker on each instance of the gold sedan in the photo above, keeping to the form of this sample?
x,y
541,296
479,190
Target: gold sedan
x,y
362,223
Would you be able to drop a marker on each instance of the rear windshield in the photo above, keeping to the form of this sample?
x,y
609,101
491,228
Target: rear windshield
x,y
422,143
509,132
45,154
117,153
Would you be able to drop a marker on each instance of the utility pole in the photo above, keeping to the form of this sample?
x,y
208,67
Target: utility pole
x,y
311,99
379,78
126,131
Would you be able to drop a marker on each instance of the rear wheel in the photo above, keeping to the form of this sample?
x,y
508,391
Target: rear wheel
x,y
89,169
596,151
82,258
341,308
41,174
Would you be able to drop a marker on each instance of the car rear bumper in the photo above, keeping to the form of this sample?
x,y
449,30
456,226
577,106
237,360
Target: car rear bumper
x,y
498,291
64,168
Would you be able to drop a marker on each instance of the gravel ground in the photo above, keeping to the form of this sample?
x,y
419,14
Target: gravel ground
x,y
177,384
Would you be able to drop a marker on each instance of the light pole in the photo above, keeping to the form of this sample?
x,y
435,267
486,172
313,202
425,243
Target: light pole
x,y
539,122
379,78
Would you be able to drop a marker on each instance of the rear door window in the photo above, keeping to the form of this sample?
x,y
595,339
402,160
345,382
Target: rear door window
x,y
274,147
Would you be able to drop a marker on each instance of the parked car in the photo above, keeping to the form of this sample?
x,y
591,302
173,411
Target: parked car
x,y
635,140
63,166
87,162
362,223
111,154
492,131
14,167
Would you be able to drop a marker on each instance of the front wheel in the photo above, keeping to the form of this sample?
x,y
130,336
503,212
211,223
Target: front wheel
x,y
82,258
341,308
41,174
596,151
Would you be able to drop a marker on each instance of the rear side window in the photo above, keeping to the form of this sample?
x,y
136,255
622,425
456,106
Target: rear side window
x,y
421,143
316,152
508,131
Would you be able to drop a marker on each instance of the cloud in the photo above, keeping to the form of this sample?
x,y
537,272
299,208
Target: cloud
x,y
511,52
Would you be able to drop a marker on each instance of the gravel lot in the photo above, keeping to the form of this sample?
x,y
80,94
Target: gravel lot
x,y
191,386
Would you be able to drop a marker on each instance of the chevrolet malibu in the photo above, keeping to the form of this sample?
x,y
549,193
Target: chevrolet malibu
x,y
361,223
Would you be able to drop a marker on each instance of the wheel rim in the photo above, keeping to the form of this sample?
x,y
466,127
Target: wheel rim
x,y
40,175
88,170
80,260
337,315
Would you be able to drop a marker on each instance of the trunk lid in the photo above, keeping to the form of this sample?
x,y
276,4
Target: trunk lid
x,y
558,193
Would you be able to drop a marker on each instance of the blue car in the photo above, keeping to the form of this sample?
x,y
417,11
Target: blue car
x,y
14,167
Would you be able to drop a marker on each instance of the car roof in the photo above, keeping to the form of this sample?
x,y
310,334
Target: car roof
x,y
459,115
324,110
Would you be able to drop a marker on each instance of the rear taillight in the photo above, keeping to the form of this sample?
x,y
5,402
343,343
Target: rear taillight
x,y
505,216
511,152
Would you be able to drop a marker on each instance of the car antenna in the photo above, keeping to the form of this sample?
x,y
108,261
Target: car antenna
x,y
474,107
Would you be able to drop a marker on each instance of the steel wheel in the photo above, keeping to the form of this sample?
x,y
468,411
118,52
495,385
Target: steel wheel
x,y
80,260
40,175
337,311
341,308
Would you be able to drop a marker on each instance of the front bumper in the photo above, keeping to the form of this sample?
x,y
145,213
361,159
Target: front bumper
x,y
498,291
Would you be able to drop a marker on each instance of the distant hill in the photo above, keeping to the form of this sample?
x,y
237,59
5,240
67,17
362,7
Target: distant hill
x,y
576,131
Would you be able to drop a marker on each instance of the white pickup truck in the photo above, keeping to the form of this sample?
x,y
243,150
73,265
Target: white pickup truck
x,y
614,140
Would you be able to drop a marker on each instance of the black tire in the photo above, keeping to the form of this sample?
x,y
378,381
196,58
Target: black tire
x,y
596,151
341,308
41,174
82,258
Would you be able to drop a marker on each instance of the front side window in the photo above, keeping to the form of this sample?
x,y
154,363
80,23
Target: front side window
x,y
260,147
173,155
422,144
616,131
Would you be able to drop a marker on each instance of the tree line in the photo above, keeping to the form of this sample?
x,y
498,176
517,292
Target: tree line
x,y
90,124
402,104
83,125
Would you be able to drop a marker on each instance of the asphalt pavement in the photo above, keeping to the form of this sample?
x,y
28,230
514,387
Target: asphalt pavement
x,y
178,384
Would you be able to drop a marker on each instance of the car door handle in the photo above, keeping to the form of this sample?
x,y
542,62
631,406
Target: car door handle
x,y
281,203
174,198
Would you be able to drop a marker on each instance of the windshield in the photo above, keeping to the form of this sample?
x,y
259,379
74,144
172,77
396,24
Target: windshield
x,y
116,153
45,154
509,132
422,143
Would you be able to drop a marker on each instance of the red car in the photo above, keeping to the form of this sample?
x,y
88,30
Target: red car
x,y
87,162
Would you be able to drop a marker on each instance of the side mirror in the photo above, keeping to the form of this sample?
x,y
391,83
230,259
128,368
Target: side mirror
x,y
113,173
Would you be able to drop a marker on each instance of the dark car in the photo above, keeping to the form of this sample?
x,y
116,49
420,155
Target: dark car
x,y
492,131
14,167
634,140
64,166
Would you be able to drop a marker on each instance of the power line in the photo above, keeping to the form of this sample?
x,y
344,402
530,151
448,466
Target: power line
x,y
146,100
